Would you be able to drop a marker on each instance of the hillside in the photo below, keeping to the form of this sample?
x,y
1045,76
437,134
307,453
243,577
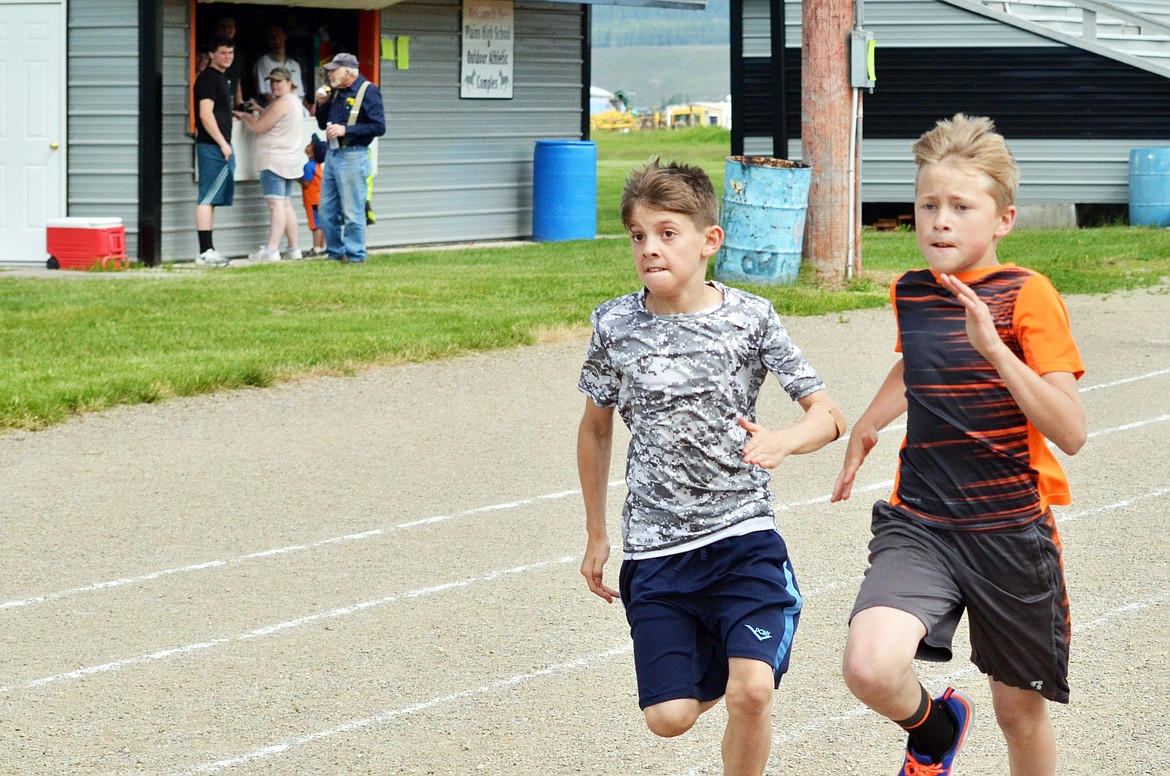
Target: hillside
x,y
660,56
654,76
616,26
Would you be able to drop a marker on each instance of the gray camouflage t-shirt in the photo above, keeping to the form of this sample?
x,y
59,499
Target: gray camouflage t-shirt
x,y
680,383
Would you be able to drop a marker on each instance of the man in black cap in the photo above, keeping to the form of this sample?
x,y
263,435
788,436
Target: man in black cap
x,y
351,112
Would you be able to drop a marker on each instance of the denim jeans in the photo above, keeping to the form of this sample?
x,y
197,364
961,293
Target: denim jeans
x,y
343,202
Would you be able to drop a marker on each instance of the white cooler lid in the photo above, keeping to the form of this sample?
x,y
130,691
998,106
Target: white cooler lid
x,y
83,222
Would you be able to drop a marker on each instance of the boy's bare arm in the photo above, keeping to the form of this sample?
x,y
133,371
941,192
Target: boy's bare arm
x,y
1049,401
888,403
821,424
594,446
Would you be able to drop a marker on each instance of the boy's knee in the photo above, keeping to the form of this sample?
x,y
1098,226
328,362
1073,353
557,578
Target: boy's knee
x,y
867,675
671,718
749,698
1020,714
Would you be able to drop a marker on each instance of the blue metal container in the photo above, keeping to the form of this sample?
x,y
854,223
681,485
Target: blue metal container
x,y
765,202
1149,187
564,190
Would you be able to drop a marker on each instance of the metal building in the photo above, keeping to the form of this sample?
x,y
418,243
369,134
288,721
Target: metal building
x,y
1073,85
104,129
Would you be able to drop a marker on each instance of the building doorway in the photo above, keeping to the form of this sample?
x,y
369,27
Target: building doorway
x,y
32,167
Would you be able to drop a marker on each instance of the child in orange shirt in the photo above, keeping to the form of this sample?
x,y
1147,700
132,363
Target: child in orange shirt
x,y
311,192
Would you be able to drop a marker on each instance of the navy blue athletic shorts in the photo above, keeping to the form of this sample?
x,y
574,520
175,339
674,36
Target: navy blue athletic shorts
x,y
689,613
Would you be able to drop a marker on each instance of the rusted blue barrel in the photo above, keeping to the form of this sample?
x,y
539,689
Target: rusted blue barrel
x,y
765,201
1149,186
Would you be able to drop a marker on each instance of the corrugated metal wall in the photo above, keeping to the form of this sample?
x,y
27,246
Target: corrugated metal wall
x,y
448,169
102,100
455,169
1092,168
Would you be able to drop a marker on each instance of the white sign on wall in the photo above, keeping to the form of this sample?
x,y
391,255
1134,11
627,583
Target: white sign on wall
x,y
485,71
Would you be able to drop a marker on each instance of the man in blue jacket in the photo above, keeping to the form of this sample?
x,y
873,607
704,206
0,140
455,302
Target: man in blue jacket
x,y
351,112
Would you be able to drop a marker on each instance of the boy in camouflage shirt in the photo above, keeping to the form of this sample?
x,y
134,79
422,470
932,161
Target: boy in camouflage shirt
x,y
707,586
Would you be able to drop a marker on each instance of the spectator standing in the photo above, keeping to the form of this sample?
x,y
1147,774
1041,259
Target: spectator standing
x,y
278,155
352,114
213,146
225,29
276,57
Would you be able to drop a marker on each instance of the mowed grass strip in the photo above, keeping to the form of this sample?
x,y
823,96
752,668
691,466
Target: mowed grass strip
x,y
146,335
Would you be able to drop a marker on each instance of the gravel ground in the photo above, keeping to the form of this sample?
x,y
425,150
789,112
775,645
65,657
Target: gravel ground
x,y
379,575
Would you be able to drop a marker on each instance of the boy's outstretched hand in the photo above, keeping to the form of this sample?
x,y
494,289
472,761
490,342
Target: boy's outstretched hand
x,y
593,566
763,448
861,441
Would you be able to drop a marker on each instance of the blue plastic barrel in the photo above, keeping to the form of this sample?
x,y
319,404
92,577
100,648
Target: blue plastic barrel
x,y
564,190
1149,187
765,202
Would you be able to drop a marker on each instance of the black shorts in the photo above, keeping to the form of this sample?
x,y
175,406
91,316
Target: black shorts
x,y
1010,582
690,612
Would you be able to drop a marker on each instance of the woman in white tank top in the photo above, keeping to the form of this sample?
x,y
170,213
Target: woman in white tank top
x,y
280,156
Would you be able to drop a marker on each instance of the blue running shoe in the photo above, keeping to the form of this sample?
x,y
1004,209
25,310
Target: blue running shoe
x,y
915,765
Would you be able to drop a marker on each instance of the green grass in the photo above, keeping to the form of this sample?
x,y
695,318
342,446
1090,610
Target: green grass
x,y
83,344
618,154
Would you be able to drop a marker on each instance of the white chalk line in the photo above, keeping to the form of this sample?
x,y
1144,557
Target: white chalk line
x,y
388,715
1125,380
376,532
391,714
343,611
261,554
269,630
788,735
808,729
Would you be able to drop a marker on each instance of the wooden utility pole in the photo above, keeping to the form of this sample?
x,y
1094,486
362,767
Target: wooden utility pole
x,y
825,121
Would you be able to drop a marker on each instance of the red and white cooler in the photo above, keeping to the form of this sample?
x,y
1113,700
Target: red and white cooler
x,y
84,243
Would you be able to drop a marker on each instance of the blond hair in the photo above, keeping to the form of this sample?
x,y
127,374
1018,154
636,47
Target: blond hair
x,y
972,141
674,188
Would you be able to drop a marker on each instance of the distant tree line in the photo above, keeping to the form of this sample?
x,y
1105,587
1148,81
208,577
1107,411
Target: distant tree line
x,y
617,26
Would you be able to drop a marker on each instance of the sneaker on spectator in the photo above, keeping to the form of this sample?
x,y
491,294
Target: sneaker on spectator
x,y
917,765
264,253
211,257
316,253
293,254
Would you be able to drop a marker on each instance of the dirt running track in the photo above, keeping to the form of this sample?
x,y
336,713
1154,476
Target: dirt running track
x,y
379,575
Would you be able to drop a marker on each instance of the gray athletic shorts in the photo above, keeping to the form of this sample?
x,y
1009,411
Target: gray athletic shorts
x,y
1010,582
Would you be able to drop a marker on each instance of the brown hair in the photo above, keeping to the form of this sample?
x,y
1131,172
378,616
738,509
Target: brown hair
x,y
972,140
675,188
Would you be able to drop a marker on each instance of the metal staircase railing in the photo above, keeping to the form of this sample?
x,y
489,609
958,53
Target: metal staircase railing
x,y
1105,28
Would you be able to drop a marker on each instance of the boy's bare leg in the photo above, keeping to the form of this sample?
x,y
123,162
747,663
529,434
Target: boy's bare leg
x,y
1023,717
204,217
748,738
673,718
879,660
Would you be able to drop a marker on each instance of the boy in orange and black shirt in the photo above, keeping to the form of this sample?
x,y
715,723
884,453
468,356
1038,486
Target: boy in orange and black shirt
x,y
988,374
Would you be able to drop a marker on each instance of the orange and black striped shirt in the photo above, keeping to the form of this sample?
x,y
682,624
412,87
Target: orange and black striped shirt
x,y
971,460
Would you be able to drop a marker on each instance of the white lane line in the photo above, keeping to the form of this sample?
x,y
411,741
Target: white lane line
x,y
1128,426
212,564
1159,493
362,606
388,715
817,726
788,735
268,630
1125,380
